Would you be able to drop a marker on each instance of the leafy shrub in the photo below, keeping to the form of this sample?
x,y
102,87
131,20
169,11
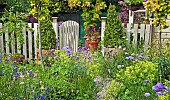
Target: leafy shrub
x,y
134,78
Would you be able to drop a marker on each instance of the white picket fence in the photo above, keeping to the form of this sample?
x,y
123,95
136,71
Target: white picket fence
x,y
67,34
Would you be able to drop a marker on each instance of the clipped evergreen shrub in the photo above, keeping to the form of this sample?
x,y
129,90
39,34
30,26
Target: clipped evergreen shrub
x,y
114,34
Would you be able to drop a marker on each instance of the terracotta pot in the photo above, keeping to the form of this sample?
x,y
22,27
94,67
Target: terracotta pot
x,y
92,45
44,52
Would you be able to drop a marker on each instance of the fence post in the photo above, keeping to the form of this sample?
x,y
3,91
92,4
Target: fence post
x,y
55,26
103,26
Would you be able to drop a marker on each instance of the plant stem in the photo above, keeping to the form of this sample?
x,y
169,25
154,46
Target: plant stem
x,y
160,53
40,49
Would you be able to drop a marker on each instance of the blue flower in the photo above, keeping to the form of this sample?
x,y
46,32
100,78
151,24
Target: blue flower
x,y
16,75
31,74
15,69
147,94
34,97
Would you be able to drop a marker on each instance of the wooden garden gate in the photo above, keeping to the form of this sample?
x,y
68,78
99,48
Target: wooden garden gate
x,y
69,35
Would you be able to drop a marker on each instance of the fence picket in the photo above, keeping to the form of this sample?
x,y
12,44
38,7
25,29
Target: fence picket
x,y
35,38
25,43
142,32
18,47
135,41
128,34
147,34
1,39
29,41
13,43
7,43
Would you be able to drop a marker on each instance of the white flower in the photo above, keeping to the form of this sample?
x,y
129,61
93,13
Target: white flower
x,y
42,87
22,83
127,39
98,79
124,48
124,37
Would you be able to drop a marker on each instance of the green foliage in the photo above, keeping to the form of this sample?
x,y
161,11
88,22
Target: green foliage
x,y
91,10
164,61
114,34
14,23
113,90
134,2
133,77
160,10
18,5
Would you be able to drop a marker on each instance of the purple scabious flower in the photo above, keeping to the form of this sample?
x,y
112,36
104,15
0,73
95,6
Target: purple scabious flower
x,y
141,56
69,52
60,23
159,87
131,57
147,81
147,94
56,57
52,51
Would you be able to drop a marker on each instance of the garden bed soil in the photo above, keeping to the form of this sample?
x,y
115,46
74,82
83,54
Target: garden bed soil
x,y
112,51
